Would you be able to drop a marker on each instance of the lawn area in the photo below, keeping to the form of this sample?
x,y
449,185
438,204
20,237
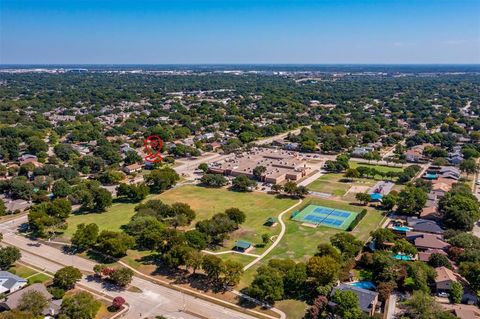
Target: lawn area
x,y
117,215
38,278
257,206
329,183
243,259
22,271
380,168
206,202
294,309
32,275
300,242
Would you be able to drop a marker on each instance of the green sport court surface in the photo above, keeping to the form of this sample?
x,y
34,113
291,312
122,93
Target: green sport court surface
x,y
325,216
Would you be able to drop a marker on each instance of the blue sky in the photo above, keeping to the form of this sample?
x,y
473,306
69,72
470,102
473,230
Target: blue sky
x,y
239,31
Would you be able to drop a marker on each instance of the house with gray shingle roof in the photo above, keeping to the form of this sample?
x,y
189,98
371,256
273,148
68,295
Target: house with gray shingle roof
x,y
368,299
13,300
10,283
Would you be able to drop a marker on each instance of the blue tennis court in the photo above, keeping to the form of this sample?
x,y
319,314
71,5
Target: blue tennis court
x,y
325,216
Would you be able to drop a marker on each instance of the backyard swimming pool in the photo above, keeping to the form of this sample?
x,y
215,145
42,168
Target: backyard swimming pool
x,y
364,285
401,228
402,257
431,176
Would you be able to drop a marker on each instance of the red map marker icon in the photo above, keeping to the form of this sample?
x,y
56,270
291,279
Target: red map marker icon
x,y
153,147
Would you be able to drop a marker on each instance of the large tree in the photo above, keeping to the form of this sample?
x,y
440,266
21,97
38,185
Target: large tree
x,y
114,243
162,179
8,256
33,301
85,236
411,200
347,243
469,166
460,210
80,306
323,269
66,277
122,276
267,285
347,304
242,183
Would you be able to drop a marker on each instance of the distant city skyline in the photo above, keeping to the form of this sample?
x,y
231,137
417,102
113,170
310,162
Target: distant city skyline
x,y
239,32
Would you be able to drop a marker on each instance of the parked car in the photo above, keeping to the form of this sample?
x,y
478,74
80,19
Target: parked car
x,y
443,294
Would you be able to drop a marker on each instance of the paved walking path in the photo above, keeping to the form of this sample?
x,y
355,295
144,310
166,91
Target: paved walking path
x,y
229,252
279,238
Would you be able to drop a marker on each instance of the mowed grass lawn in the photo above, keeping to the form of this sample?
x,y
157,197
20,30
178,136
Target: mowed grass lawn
x,y
330,183
206,202
116,216
257,206
380,168
30,274
300,242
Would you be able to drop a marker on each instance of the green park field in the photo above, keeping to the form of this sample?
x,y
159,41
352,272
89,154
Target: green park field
x,y
381,168
300,242
331,183
205,202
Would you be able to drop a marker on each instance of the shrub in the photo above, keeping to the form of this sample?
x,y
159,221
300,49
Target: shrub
x,y
357,219
56,292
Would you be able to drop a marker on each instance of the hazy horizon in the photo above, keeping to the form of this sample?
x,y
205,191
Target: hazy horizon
x,y
239,32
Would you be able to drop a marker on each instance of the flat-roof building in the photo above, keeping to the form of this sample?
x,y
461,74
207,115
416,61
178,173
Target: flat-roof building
x,y
280,165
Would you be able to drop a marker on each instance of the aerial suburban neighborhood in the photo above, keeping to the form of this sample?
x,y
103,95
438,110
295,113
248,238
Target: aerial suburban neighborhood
x,y
260,208
150,170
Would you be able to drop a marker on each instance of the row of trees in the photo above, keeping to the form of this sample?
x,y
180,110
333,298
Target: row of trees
x,y
282,279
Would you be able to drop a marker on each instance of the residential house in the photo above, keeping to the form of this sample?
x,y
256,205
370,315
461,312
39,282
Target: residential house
x,y
10,283
204,137
27,158
361,151
125,148
15,205
444,279
440,188
291,146
215,145
425,255
13,300
133,168
424,225
431,212
455,159
426,241
450,172
414,155
368,299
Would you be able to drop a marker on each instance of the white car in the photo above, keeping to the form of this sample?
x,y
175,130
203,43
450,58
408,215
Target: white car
x,y
443,294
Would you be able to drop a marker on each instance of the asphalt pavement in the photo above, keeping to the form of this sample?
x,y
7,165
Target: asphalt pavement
x,y
153,300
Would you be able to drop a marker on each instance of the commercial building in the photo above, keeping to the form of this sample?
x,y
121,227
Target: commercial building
x,y
279,165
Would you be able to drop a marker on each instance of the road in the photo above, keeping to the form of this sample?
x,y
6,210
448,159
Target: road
x,y
270,139
153,300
